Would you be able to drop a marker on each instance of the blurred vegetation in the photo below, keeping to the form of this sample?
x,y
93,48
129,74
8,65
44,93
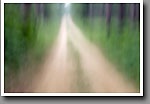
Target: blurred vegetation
x,y
122,48
29,29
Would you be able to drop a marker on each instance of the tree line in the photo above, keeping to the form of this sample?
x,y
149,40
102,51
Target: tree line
x,y
120,11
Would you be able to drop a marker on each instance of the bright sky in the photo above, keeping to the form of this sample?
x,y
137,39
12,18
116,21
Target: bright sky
x,y
67,5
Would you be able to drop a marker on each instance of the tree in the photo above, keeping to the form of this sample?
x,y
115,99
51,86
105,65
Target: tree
x,y
121,16
91,11
137,12
132,14
108,17
102,10
26,9
91,14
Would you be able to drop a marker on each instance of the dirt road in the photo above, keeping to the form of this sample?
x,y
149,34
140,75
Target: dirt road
x,y
77,65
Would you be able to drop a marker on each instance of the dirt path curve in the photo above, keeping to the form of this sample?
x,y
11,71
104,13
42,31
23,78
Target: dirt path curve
x,y
61,72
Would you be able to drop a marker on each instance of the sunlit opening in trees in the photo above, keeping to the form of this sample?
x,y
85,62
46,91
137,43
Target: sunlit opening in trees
x,y
67,5
67,8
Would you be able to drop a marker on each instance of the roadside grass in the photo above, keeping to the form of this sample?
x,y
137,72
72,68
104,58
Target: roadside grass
x,y
123,49
82,84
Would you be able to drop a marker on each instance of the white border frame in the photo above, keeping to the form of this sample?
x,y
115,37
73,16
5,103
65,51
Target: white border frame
x,y
72,94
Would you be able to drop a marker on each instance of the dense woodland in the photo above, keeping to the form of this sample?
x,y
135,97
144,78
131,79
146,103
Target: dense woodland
x,y
113,27
121,12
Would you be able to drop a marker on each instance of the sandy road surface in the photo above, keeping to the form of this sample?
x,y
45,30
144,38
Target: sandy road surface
x,y
76,65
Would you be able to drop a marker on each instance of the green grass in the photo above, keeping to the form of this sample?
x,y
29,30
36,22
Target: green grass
x,y
82,84
123,49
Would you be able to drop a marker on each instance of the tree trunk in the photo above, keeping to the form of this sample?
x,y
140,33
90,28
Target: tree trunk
x,y
132,14
121,17
91,11
137,13
25,8
91,18
108,17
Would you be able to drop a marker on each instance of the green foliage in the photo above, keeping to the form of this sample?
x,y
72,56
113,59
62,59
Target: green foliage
x,y
27,37
46,34
15,44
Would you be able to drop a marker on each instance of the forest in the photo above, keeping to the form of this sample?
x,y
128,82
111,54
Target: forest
x,y
31,34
